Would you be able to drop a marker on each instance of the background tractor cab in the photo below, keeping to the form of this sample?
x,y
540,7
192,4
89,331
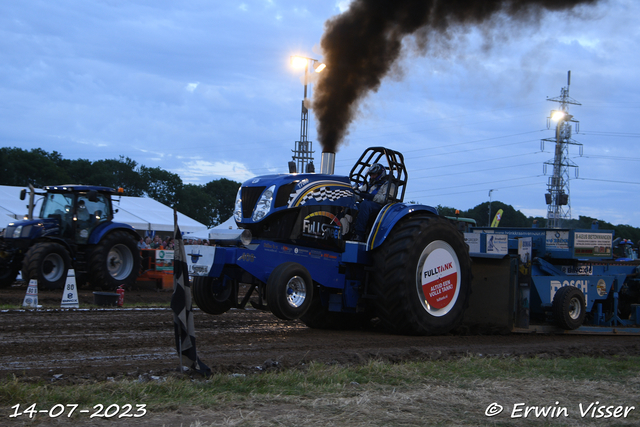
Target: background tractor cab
x,y
77,213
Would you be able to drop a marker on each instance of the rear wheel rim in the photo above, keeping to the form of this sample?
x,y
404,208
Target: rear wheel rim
x,y
575,308
296,291
119,262
53,267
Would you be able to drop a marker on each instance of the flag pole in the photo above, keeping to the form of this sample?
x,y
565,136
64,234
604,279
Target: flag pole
x,y
175,231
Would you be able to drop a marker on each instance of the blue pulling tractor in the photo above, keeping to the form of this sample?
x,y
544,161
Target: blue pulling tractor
x,y
296,256
74,229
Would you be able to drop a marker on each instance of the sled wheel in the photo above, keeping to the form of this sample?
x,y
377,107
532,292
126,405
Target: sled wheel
x,y
569,308
319,317
422,280
289,291
115,261
47,262
211,294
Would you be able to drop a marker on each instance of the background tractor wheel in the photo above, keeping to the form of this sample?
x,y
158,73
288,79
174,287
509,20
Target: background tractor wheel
x,y
423,277
48,263
211,295
289,291
115,261
569,308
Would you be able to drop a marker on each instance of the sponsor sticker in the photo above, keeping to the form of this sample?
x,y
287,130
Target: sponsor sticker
x,y
439,278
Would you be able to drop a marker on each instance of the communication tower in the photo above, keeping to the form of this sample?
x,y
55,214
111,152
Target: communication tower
x,y
557,196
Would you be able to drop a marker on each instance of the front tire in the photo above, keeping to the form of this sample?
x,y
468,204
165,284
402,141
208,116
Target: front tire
x,y
569,308
211,295
48,263
115,261
423,277
289,291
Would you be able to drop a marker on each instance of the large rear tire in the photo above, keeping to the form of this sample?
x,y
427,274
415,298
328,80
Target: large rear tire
x,y
211,295
423,277
48,263
115,261
289,291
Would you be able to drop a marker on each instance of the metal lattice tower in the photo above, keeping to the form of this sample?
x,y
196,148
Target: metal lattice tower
x,y
303,153
557,196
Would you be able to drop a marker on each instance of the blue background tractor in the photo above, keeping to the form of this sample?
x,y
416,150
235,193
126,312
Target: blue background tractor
x,y
74,229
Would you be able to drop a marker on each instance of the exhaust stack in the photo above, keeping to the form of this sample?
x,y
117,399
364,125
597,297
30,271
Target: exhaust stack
x,y
327,163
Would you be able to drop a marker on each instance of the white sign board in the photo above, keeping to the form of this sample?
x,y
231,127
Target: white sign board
x,y
199,259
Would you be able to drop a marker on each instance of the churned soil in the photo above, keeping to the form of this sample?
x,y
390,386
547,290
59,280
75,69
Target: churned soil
x,y
69,346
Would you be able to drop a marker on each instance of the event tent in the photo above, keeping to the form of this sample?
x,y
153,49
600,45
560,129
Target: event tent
x,y
229,224
142,213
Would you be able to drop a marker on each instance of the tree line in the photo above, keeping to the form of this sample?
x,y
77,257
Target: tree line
x,y
210,204
514,218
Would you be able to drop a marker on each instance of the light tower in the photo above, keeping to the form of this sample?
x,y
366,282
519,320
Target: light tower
x,y
303,152
557,196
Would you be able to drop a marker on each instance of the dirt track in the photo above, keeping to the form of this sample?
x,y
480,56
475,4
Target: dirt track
x,y
94,344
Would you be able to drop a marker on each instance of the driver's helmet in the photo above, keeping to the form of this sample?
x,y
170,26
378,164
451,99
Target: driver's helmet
x,y
376,172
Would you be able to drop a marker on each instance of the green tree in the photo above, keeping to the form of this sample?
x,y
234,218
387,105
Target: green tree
x,y
224,192
20,167
510,216
161,185
118,173
80,171
194,202
447,211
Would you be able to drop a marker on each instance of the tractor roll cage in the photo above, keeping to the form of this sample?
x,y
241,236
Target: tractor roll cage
x,y
396,171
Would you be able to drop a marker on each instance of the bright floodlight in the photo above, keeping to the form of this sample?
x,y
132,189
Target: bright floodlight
x,y
299,61
321,66
557,115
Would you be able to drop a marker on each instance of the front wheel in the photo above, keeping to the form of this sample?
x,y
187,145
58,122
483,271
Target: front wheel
x,y
212,295
423,277
48,263
289,291
569,308
115,261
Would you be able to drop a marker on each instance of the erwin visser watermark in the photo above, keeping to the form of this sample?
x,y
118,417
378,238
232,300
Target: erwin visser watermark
x,y
581,410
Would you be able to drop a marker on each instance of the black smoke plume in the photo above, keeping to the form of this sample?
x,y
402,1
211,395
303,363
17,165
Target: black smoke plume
x,y
361,46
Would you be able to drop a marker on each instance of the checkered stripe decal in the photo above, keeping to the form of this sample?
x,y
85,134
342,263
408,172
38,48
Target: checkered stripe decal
x,y
321,194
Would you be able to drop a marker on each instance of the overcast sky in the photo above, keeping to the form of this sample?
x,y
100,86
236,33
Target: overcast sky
x,y
204,89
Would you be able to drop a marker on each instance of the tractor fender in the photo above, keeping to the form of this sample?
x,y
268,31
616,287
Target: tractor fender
x,y
389,216
105,228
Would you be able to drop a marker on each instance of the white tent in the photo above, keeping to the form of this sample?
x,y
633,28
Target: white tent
x,y
11,207
141,213
229,224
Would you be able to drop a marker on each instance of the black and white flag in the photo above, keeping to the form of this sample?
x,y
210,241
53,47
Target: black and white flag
x,y
181,304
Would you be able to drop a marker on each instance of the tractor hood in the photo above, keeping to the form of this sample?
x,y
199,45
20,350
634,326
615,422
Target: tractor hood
x,y
263,196
31,228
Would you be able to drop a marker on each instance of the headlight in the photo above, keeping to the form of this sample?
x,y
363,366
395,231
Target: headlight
x,y
237,211
17,231
264,204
